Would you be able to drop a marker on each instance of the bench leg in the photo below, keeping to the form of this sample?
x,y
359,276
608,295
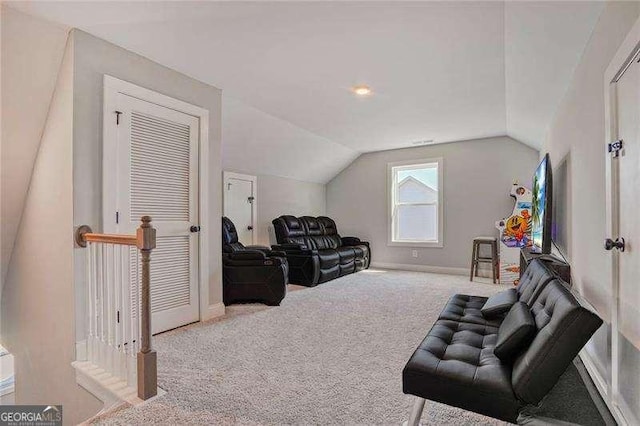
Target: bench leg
x,y
416,413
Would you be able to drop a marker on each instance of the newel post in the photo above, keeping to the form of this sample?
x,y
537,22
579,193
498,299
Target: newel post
x,y
147,360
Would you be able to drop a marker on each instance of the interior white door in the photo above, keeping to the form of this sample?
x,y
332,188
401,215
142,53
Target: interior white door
x,y
157,172
626,176
239,199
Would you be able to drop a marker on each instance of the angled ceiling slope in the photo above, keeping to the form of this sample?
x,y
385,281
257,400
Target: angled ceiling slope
x,y
545,41
440,71
258,143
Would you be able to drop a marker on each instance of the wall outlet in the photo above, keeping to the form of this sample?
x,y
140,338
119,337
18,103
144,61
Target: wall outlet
x,y
414,253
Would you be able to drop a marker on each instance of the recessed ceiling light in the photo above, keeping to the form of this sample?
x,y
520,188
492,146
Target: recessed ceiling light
x,y
361,90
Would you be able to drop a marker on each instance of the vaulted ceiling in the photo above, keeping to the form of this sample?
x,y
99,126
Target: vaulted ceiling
x,y
440,71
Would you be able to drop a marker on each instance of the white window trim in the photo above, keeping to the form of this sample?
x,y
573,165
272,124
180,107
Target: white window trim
x,y
390,203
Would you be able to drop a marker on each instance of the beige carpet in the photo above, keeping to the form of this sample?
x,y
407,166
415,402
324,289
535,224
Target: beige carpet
x,y
332,354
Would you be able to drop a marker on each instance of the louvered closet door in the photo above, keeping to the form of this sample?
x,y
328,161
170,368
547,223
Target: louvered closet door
x,y
157,176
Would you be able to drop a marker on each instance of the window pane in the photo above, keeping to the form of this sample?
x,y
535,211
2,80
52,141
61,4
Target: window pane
x,y
417,222
411,190
427,174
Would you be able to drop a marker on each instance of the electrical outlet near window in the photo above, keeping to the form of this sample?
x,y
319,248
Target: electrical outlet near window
x,y
414,253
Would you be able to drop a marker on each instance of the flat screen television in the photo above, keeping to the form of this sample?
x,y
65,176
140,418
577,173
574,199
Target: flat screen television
x,y
541,208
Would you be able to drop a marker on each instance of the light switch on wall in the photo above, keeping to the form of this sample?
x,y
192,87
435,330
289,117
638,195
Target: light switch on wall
x,y
414,253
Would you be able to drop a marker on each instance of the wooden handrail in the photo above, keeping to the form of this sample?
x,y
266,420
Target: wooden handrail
x,y
127,240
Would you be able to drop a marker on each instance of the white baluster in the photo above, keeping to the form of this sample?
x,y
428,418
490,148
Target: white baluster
x,y
101,276
121,342
112,308
125,312
137,295
105,309
89,299
116,310
121,325
93,283
134,317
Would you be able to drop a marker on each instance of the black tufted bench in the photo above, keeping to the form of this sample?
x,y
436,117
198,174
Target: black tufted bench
x,y
456,365
462,307
455,362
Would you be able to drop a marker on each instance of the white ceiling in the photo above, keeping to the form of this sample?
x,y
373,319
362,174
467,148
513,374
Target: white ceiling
x,y
440,70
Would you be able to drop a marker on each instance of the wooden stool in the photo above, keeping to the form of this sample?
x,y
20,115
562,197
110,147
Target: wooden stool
x,y
476,258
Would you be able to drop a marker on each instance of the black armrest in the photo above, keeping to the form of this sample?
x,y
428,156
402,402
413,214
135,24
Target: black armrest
x,y
259,248
248,255
288,247
268,252
353,241
293,249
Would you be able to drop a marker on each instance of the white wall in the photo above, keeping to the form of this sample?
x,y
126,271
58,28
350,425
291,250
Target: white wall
x,y
37,303
278,196
544,42
257,143
478,176
578,128
292,164
32,51
94,58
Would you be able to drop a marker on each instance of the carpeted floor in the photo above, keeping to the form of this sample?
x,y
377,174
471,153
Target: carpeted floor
x,y
332,354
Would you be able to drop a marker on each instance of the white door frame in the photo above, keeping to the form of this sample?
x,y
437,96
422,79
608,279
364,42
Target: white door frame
x,y
623,58
113,86
254,206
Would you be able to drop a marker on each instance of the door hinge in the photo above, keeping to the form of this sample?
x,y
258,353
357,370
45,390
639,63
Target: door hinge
x,y
118,317
117,217
118,113
610,244
615,147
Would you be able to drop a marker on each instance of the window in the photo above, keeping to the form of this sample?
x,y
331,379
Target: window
x,y
415,211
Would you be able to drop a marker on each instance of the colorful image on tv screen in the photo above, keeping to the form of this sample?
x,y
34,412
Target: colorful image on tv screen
x,y
539,200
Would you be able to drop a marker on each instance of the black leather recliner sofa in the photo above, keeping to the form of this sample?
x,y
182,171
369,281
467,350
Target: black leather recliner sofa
x,y
251,273
456,365
316,252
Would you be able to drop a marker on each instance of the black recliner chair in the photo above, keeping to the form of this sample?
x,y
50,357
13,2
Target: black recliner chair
x,y
251,273
316,252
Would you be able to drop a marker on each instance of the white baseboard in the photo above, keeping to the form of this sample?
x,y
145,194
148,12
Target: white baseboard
x,y
111,390
601,386
421,268
213,311
596,377
93,384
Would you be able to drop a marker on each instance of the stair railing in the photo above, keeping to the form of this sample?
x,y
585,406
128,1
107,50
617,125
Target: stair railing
x,y
119,305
